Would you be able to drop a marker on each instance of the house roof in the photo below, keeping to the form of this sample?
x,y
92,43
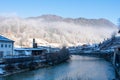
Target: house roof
x,y
2,38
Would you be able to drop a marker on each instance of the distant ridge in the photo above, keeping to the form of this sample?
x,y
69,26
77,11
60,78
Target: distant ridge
x,y
79,21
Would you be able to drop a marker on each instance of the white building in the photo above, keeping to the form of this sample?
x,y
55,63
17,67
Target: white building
x,y
6,46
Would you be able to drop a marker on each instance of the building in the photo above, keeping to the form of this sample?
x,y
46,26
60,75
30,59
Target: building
x,y
6,46
29,51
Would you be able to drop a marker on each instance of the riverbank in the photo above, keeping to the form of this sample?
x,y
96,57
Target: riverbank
x,y
12,72
117,68
33,67
117,73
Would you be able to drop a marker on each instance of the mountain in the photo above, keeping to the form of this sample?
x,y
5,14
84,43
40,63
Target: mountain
x,y
80,21
53,30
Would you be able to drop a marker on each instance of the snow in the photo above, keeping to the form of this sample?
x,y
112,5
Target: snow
x,y
2,71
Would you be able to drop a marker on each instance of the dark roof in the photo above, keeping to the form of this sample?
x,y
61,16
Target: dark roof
x,y
2,38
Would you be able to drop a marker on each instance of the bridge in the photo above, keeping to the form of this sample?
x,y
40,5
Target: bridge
x,y
107,56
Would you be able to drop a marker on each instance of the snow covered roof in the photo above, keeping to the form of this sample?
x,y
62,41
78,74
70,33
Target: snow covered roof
x,y
2,38
28,49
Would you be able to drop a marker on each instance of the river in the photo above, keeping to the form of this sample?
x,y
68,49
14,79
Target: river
x,y
78,68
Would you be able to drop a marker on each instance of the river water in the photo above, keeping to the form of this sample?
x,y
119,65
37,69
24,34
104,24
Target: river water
x,y
78,68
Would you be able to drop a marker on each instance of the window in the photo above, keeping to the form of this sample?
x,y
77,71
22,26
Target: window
x,y
9,46
5,45
1,45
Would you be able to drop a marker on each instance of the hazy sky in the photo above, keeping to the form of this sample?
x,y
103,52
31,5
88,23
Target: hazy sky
x,y
109,9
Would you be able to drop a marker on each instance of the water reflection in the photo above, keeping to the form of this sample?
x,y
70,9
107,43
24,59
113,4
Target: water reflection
x,y
79,67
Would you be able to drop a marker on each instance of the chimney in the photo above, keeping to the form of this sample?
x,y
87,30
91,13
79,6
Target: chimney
x,y
119,31
34,44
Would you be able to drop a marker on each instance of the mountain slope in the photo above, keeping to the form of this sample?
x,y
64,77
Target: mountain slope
x,y
55,30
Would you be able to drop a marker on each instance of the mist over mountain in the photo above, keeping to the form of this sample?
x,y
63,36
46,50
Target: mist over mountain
x,y
53,30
